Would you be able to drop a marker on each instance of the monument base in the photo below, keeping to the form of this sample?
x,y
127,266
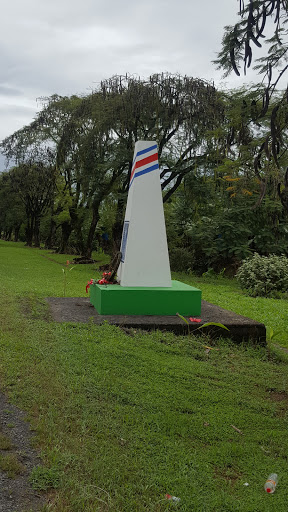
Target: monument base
x,y
113,299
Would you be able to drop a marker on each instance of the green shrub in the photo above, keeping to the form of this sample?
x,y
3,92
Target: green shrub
x,y
181,259
265,276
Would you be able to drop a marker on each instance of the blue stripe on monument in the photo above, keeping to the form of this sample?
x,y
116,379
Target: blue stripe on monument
x,y
146,150
142,152
149,169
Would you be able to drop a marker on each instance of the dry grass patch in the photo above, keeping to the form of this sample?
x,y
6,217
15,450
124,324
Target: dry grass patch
x,y
11,465
5,442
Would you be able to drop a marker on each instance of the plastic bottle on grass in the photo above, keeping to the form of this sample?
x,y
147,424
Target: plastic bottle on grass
x,y
174,499
271,482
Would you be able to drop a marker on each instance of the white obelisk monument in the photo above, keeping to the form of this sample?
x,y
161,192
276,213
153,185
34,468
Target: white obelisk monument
x,y
144,272
144,250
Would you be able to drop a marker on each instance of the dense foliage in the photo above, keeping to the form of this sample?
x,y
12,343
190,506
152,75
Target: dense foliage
x,y
217,224
265,276
68,187
90,143
258,19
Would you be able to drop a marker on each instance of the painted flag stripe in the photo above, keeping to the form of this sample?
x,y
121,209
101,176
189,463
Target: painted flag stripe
x,y
148,169
144,161
142,152
145,171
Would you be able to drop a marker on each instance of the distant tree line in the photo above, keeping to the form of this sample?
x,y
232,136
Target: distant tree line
x,y
78,151
68,185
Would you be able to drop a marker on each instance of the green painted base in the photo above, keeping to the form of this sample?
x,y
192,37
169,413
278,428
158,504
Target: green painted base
x,y
113,299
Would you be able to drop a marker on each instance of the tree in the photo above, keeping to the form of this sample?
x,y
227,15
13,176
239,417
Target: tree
x,y
91,140
238,44
99,139
38,142
33,183
12,212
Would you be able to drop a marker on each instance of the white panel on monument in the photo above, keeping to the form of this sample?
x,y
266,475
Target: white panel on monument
x,y
145,259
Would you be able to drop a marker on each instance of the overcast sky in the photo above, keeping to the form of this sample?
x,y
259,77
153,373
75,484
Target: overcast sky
x,y
67,46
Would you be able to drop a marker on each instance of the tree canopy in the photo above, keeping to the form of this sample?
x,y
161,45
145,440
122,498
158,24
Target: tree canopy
x,y
90,141
257,19
224,192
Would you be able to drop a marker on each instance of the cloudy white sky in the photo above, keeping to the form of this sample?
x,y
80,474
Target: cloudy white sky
x,y
67,46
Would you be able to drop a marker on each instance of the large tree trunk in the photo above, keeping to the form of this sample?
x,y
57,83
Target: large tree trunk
x,y
29,231
66,230
36,234
8,234
79,237
77,223
16,232
50,240
118,226
87,249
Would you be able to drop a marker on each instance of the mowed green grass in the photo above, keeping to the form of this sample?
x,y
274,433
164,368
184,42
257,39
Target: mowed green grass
x,y
26,271
227,294
122,419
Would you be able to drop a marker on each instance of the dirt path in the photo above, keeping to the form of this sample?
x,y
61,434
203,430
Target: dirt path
x,y
17,459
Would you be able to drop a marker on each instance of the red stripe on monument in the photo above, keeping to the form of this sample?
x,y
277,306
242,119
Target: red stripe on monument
x,y
144,161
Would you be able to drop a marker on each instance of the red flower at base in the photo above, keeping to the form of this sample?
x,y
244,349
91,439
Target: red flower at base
x,y
103,281
88,285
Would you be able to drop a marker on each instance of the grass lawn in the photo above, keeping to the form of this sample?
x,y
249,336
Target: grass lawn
x,y
227,293
121,419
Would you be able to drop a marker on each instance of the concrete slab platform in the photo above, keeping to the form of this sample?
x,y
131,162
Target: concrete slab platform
x,y
241,329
